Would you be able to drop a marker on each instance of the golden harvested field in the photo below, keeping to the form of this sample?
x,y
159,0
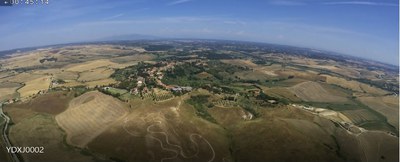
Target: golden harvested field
x,y
81,67
95,74
22,77
371,75
327,67
5,74
7,93
23,60
387,106
337,68
348,71
104,49
89,115
314,92
354,85
373,90
66,75
34,86
240,62
58,74
392,101
90,84
42,130
8,90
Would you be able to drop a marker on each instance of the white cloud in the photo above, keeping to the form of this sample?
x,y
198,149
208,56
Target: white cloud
x,y
178,2
367,3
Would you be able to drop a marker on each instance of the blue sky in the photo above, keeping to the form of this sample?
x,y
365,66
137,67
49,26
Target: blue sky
x,y
361,28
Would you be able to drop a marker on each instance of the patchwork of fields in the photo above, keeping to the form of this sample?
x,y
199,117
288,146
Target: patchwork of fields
x,y
207,106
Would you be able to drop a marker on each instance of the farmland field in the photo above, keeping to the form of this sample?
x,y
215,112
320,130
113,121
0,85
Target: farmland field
x,y
282,93
89,115
360,116
34,86
95,74
52,103
196,100
389,109
89,65
312,91
8,90
354,85
42,130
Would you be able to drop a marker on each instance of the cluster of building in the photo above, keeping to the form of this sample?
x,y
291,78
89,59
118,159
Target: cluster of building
x,y
156,73
181,89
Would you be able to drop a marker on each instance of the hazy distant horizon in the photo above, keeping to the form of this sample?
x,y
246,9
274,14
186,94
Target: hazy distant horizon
x,y
211,39
365,29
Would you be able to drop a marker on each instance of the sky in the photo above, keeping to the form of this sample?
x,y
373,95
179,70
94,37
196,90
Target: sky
x,y
363,28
